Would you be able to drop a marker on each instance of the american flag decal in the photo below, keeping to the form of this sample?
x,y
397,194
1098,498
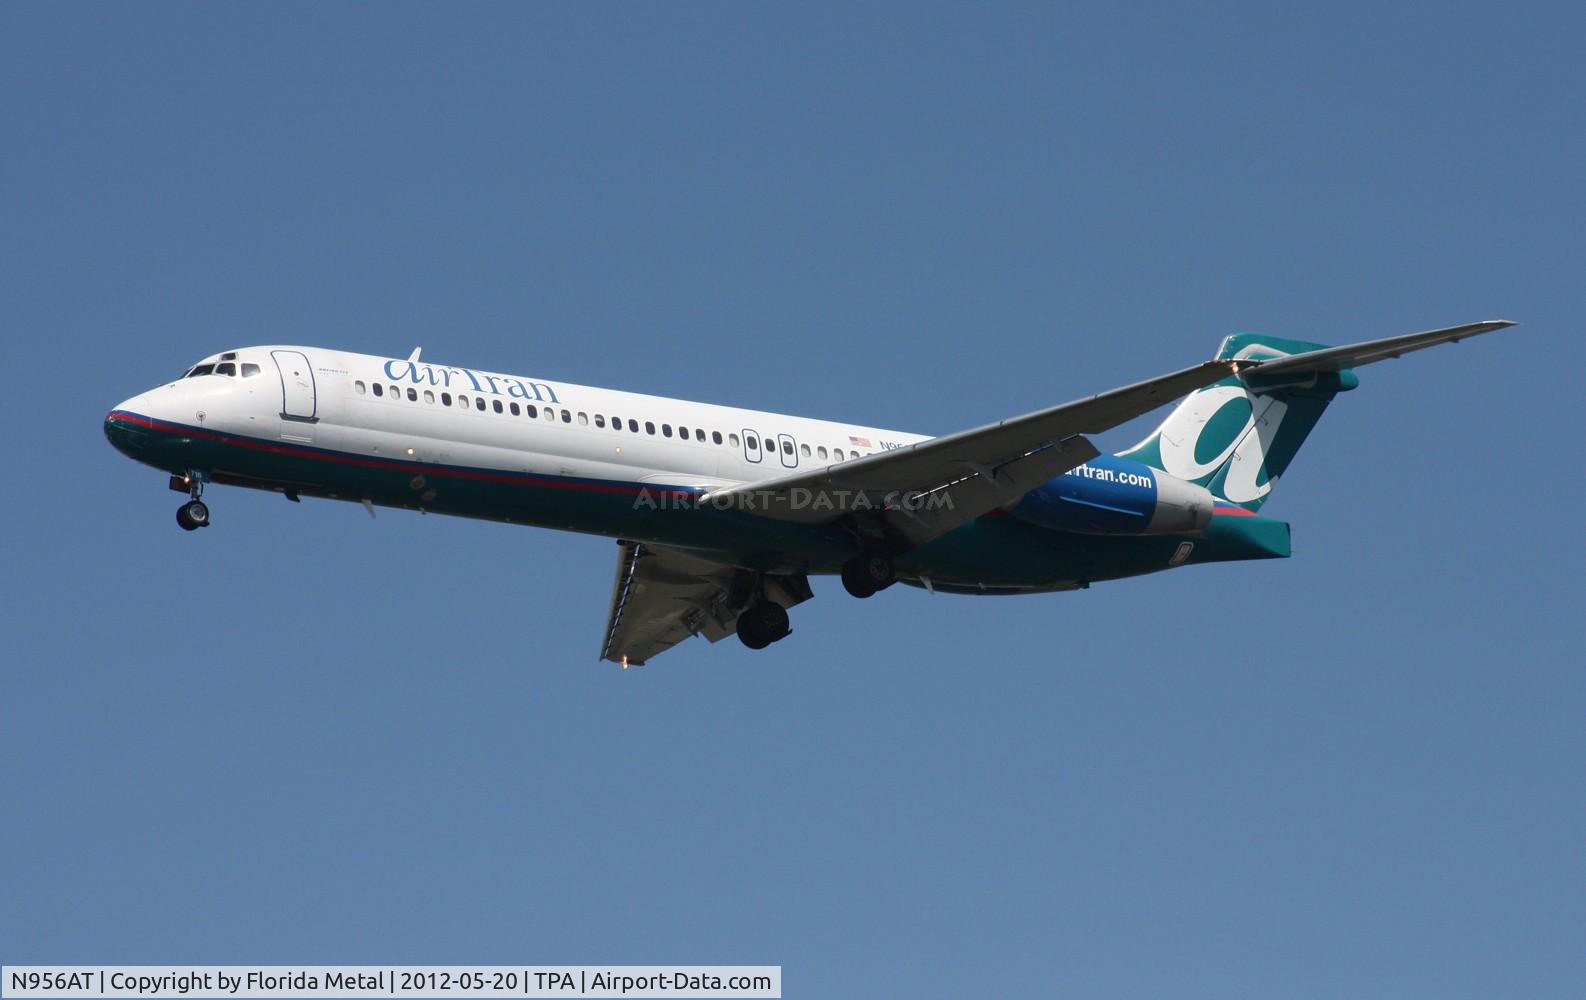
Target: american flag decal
x,y
861,442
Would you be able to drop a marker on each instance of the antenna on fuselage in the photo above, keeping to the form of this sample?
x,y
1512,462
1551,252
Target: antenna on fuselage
x,y
414,357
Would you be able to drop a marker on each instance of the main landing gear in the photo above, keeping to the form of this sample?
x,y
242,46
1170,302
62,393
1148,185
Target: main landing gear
x,y
193,514
868,573
763,623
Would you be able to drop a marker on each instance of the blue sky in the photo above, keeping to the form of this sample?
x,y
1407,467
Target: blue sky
x,y
303,736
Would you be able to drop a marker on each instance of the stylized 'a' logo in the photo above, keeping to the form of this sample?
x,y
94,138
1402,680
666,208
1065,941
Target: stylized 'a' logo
x,y
1209,437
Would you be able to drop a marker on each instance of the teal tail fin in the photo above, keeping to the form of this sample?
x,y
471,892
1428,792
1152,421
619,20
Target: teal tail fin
x,y
1237,437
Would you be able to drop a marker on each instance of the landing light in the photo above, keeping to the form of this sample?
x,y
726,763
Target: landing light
x,y
410,451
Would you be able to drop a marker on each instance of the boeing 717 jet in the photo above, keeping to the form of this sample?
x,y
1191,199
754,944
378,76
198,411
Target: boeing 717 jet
x,y
722,515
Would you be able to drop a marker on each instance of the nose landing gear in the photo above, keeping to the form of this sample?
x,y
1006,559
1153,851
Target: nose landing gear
x,y
193,514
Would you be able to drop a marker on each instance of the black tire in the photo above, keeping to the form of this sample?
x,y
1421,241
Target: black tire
x,y
192,515
751,632
868,573
877,570
773,620
854,583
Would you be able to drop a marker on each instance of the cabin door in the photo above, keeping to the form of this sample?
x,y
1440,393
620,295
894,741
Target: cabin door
x,y
298,398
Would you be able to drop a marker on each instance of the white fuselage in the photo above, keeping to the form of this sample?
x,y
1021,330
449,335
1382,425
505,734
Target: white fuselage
x,y
360,404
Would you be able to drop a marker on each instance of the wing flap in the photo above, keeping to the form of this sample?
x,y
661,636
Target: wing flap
x,y
656,603
664,595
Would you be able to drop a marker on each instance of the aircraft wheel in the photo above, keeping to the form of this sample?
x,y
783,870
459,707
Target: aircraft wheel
x,y
773,618
868,573
750,632
192,515
762,624
854,584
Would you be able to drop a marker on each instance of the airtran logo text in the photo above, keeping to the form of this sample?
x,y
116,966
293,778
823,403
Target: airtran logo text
x,y
421,374
1119,476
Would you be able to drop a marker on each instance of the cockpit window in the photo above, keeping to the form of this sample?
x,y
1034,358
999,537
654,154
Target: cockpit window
x,y
201,370
229,356
249,370
227,368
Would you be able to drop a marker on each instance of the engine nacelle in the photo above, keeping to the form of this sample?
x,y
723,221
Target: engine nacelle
x,y
1117,496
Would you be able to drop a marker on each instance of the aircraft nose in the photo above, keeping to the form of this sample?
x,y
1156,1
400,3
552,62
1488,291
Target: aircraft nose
x,y
127,426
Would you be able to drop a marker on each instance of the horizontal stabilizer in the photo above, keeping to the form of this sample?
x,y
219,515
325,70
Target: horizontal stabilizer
x,y
1333,359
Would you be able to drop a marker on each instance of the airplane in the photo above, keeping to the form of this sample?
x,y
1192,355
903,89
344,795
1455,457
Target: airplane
x,y
722,515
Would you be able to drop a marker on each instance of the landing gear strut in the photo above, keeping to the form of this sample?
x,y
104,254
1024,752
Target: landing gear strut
x,y
868,573
193,514
763,623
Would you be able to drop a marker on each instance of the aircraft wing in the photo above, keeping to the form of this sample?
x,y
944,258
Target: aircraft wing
x,y
1332,359
664,595
925,490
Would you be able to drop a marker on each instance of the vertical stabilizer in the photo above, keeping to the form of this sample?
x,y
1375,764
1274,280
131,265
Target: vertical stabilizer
x,y
1237,437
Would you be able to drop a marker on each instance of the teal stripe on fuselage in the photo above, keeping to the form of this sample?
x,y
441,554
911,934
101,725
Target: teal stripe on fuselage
x,y
996,551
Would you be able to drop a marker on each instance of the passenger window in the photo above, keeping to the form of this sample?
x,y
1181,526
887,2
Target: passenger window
x,y
787,447
531,410
600,421
514,408
715,437
821,451
567,417
462,401
359,388
752,442
583,419
495,404
413,395
649,428
837,453
249,370
805,449
479,403
446,399
396,393
633,426
666,430
379,390
429,396
732,439
550,414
